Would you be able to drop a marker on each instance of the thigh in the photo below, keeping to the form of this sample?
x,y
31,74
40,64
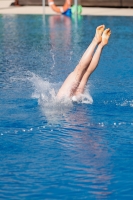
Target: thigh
x,y
69,86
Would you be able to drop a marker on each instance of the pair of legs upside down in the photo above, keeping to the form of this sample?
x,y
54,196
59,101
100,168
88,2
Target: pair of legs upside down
x,y
75,83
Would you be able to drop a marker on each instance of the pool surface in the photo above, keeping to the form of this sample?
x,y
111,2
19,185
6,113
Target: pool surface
x,y
49,150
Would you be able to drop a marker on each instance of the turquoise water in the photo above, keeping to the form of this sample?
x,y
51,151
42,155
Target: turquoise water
x,y
71,150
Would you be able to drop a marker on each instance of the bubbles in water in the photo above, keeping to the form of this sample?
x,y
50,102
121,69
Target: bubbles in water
x,y
127,103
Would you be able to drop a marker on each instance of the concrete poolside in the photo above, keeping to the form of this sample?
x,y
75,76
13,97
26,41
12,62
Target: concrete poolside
x,y
5,8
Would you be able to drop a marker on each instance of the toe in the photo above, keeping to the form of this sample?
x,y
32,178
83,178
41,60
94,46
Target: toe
x,y
101,26
109,32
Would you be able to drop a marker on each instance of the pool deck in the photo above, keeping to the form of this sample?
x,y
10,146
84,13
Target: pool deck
x,y
5,8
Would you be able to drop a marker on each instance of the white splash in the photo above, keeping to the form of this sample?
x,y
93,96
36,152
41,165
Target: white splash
x,y
87,98
51,107
46,92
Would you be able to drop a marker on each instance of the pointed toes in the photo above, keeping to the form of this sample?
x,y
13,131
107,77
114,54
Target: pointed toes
x,y
107,31
101,27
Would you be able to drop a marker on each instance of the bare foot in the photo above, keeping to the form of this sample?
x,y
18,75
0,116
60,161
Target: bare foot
x,y
98,35
105,36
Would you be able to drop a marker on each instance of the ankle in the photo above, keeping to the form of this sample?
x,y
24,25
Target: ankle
x,y
96,41
101,45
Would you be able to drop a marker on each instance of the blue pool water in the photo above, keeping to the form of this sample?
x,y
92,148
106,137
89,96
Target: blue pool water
x,y
72,150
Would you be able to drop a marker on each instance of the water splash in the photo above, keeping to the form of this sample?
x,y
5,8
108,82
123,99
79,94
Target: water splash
x,y
51,107
45,92
53,57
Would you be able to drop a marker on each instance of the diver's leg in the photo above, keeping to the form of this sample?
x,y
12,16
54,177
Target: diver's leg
x,y
72,81
94,62
87,56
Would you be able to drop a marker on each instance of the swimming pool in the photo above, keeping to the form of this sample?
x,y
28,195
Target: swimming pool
x,y
70,151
